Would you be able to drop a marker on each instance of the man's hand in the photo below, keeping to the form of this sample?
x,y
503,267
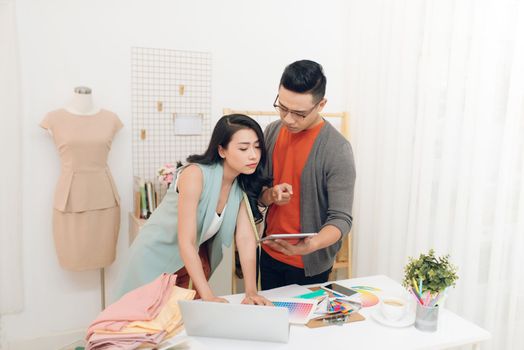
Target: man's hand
x,y
280,194
302,247
256,299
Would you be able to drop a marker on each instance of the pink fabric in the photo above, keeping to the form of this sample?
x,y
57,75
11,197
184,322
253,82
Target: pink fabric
x,y
123,341
140,304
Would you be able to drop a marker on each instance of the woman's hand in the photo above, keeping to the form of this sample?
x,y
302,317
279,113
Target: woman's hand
x,y
256,299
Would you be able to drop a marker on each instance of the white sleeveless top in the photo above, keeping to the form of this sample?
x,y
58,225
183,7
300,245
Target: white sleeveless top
x,y
215,226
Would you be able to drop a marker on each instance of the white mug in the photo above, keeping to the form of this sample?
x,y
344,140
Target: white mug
x,y
393,308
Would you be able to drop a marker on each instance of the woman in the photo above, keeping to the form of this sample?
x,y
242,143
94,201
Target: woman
x,y
203,210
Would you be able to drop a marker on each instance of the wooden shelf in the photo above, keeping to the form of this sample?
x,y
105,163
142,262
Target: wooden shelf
x,y
340,265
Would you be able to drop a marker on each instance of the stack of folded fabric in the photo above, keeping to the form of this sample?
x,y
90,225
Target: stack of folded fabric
x,y
147,315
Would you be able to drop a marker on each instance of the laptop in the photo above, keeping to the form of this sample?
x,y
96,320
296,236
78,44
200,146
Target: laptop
x,y
235,321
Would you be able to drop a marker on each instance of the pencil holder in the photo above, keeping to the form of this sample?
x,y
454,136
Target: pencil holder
x,y
426,318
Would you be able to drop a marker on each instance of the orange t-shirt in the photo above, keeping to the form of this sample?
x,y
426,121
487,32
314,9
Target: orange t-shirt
x,y
289,158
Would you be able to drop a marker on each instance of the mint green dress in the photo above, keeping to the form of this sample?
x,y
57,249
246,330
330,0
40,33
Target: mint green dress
x,y
155,249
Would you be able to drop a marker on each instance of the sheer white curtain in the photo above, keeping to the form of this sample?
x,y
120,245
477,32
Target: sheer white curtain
x,y
11,293
437,109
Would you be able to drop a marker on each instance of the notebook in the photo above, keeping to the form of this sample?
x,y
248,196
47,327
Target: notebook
x,y
235,321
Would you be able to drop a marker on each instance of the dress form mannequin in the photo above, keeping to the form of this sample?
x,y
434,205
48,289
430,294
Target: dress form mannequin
x,y
81,103
89,217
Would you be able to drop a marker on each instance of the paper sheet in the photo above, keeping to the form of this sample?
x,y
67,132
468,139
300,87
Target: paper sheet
x,y
187,124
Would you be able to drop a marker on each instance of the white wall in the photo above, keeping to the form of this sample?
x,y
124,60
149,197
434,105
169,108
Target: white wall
x,y
66,43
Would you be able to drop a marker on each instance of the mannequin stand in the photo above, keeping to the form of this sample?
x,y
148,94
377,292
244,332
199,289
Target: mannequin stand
x,y
102,289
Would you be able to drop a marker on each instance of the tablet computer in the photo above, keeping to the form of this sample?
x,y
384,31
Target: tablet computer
x,y
288,236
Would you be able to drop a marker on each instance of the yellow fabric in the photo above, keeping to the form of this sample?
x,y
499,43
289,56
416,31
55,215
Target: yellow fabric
x,y
169,319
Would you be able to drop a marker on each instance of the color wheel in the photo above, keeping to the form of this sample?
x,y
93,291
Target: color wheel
x,y
367,297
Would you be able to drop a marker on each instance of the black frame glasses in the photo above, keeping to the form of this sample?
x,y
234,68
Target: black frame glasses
x,y
284,111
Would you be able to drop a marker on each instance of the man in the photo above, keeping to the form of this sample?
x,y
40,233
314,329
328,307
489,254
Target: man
x,y
313,180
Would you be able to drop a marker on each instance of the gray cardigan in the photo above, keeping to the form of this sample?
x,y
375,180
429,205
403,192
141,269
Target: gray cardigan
x,y
327,185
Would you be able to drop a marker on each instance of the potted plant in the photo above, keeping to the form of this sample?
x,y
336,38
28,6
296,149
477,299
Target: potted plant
x,y
433,273
427,278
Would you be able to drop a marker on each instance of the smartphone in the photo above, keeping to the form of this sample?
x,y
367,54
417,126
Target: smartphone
x,y
338,289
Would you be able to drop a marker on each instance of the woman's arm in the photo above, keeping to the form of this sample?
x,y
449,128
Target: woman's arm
x,y
190,186
247,250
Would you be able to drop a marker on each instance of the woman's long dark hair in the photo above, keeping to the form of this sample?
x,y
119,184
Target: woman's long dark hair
x,y
222,134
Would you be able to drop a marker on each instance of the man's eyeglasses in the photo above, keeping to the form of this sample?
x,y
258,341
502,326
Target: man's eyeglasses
x,y
284,111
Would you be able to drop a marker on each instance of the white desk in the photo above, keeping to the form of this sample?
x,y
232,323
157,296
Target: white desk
x,y
368,334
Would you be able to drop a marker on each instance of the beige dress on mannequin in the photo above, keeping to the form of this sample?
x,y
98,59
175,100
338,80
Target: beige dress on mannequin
x,y
86,215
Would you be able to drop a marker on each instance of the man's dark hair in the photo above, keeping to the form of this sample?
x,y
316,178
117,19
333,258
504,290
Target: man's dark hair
x,y
305,77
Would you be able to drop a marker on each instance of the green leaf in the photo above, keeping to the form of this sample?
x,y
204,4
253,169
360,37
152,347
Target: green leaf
x,y
436,273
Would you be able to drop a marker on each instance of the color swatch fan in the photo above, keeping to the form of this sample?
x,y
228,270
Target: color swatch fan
x,y
300,310
367,295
